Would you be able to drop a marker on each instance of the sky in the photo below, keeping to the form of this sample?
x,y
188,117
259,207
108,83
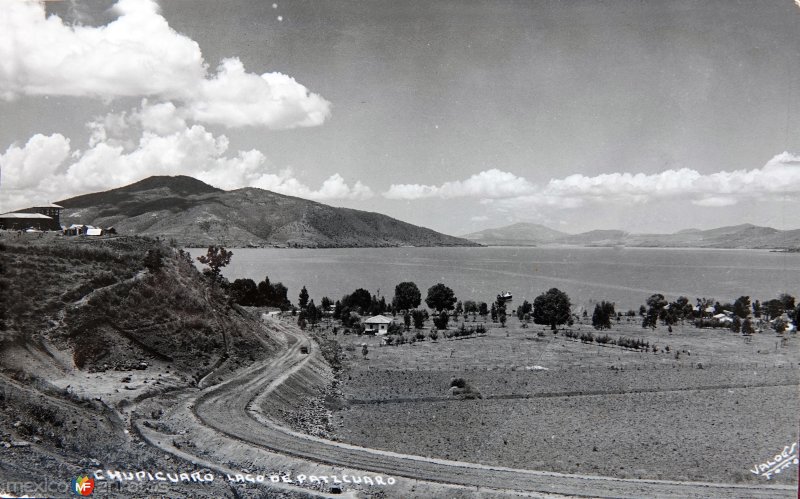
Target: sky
x,y
646,116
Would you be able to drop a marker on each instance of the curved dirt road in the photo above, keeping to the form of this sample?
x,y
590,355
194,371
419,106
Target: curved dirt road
x,y
229,408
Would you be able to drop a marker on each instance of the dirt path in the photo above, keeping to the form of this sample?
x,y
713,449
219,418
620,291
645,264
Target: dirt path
x,y
230,409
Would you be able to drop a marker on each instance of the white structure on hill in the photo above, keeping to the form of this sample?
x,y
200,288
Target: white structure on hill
x,y
378,324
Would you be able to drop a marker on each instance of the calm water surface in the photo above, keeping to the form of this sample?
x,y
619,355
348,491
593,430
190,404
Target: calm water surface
x,y
625,276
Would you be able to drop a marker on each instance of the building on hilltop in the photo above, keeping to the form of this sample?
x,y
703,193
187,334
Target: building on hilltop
x,y
23,220
51,210
43,217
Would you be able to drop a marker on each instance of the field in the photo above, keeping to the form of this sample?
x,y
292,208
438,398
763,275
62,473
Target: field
x,y
707,409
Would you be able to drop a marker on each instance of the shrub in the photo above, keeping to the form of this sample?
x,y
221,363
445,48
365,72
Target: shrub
x,y
603,339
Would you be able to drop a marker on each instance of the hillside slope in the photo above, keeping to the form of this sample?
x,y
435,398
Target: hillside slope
x,y
196,214
89,336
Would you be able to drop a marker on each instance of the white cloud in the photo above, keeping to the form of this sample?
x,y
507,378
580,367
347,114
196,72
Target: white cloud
x,y
24,167
715,201
139,54
234,97
46,169
781,175
492,183
333,188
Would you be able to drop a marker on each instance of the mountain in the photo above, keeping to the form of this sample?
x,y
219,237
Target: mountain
x,y
197,214
519,234
745,236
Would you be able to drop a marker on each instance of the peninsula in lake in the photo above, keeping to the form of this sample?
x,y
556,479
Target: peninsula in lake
x,y
194,213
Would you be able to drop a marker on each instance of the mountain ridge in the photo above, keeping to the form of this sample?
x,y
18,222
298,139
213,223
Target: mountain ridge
x,y
742,236
196,214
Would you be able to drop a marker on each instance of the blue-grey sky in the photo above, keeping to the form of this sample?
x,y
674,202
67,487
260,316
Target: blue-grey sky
x,y
648,116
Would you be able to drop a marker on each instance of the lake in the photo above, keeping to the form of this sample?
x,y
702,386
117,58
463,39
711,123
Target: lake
x,y
625,276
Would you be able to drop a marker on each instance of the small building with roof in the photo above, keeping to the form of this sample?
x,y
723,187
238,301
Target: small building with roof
x,y
378,324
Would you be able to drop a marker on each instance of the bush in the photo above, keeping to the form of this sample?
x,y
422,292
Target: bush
x,y
441,321
458,382
603,339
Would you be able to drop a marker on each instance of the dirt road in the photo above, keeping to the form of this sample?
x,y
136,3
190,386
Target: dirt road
x,y
230,409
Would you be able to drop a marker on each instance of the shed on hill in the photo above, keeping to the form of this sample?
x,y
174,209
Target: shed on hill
x,y
378,324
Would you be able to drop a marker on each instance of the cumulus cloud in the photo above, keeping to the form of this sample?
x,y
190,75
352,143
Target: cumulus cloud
x,y
781,175
46,168
333,188
492,183
139,54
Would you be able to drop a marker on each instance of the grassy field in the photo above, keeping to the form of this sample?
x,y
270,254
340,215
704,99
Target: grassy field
x,y
709,407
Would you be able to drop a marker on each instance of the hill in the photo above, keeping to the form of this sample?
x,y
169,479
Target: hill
x,y
745,236
89,335
518,234
196,214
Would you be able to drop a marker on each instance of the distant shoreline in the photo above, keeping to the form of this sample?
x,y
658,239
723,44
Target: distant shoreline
x,y
522,246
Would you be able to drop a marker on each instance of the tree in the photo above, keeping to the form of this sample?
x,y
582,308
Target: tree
x,y
364,350
470,307
459,309
551,308
525,308
736,325
681,308
313,313
359,300
757,309
153,260
407,321
773,308
501,315
603,312
337,310
747,327
440,297
483,309
244,292
494,312
655,310
302,300
788,302
326,304
419,318
406,296
215,258
741,307
441,320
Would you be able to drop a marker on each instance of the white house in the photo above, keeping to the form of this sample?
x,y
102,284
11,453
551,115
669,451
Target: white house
x,y
378,324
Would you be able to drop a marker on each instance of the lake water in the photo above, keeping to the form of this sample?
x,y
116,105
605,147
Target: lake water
x,y
625,276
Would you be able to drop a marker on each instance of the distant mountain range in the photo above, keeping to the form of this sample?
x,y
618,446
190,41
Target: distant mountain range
x,y
738,236
197,214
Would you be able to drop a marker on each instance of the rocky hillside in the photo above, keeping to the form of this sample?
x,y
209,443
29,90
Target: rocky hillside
x,y
195,214
92,331
738,236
